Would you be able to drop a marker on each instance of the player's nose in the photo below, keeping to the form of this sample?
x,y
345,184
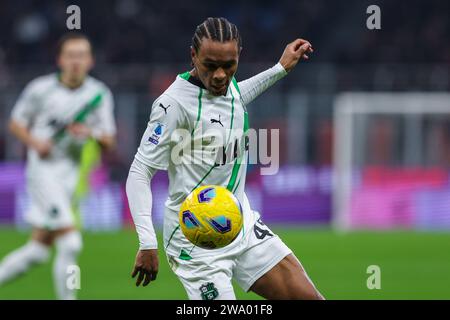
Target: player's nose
x,y
219,76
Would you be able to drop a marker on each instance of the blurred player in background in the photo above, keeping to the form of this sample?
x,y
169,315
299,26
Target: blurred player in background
x,y
56,116
209,98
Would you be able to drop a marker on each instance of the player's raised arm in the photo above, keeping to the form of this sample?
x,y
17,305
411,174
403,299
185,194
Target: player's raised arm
x,y
293,53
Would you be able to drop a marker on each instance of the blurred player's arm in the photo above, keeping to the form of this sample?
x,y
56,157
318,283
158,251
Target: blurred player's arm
x,y
293,53
22,133
22,115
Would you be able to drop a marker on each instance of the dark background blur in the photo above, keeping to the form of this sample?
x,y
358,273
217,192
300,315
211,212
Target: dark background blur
x,y
136,31
140,46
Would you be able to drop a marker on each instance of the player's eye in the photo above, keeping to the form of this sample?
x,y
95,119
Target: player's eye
x,y
210,66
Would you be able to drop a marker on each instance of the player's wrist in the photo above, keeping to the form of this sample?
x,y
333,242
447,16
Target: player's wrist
x,y
30,142
146,233
281,67
149,246
33,143
88,133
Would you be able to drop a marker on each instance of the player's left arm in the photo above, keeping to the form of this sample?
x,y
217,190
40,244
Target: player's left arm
x,y
293,53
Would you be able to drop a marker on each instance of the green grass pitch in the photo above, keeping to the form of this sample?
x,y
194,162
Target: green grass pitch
x,y
414,265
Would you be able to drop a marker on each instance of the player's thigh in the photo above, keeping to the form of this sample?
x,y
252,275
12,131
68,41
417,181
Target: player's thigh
x,y
286,280
263,251
47,237
42,236
204,280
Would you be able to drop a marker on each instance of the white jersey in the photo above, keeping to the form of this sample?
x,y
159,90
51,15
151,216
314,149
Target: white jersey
x,y
216,125
46,106
200,139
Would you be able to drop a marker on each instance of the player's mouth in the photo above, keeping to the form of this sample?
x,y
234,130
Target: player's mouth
x,y
220,88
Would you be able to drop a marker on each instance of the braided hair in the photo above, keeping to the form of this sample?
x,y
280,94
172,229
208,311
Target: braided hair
x,y
216,29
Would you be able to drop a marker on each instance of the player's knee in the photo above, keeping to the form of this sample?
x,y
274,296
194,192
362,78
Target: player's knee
x,y
38,253
69,243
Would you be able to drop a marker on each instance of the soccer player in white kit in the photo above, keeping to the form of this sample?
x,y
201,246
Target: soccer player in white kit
x,y
54,117
206,108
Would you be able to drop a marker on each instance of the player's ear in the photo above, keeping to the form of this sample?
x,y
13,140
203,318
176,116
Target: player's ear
x,y
193,56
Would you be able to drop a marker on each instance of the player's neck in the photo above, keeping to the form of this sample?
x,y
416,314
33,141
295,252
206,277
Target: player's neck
x,y
193,73
195,80
69,82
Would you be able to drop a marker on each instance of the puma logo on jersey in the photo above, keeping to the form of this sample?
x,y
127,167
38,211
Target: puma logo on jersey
x,y
164,108
217,121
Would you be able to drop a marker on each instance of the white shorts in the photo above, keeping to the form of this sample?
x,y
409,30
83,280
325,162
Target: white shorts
x,y
209,277
51,199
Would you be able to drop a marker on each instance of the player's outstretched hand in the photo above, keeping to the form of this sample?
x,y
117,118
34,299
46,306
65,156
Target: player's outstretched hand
x,y
146,266
294,52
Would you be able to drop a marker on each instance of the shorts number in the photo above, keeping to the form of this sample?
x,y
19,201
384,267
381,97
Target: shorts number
x,y
261,233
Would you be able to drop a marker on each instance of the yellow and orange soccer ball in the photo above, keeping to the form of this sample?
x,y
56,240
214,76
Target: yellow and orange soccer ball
x,y
211,217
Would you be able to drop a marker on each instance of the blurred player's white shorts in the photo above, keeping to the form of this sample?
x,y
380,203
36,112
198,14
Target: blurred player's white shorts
x,y
51,190
209,276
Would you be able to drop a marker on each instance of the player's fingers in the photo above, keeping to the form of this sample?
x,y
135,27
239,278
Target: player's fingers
x,y
304,48
134,273
147,279
299,41
140,277
154,274
296,44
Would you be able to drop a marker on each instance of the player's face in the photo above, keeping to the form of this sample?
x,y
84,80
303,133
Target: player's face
x,y
75,59
216,63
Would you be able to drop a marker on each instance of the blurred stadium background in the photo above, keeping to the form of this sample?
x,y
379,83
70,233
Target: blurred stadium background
x,y
364,178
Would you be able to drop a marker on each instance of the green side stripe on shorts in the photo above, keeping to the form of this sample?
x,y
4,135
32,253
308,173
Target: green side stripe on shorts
x,y
171,236
184,255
